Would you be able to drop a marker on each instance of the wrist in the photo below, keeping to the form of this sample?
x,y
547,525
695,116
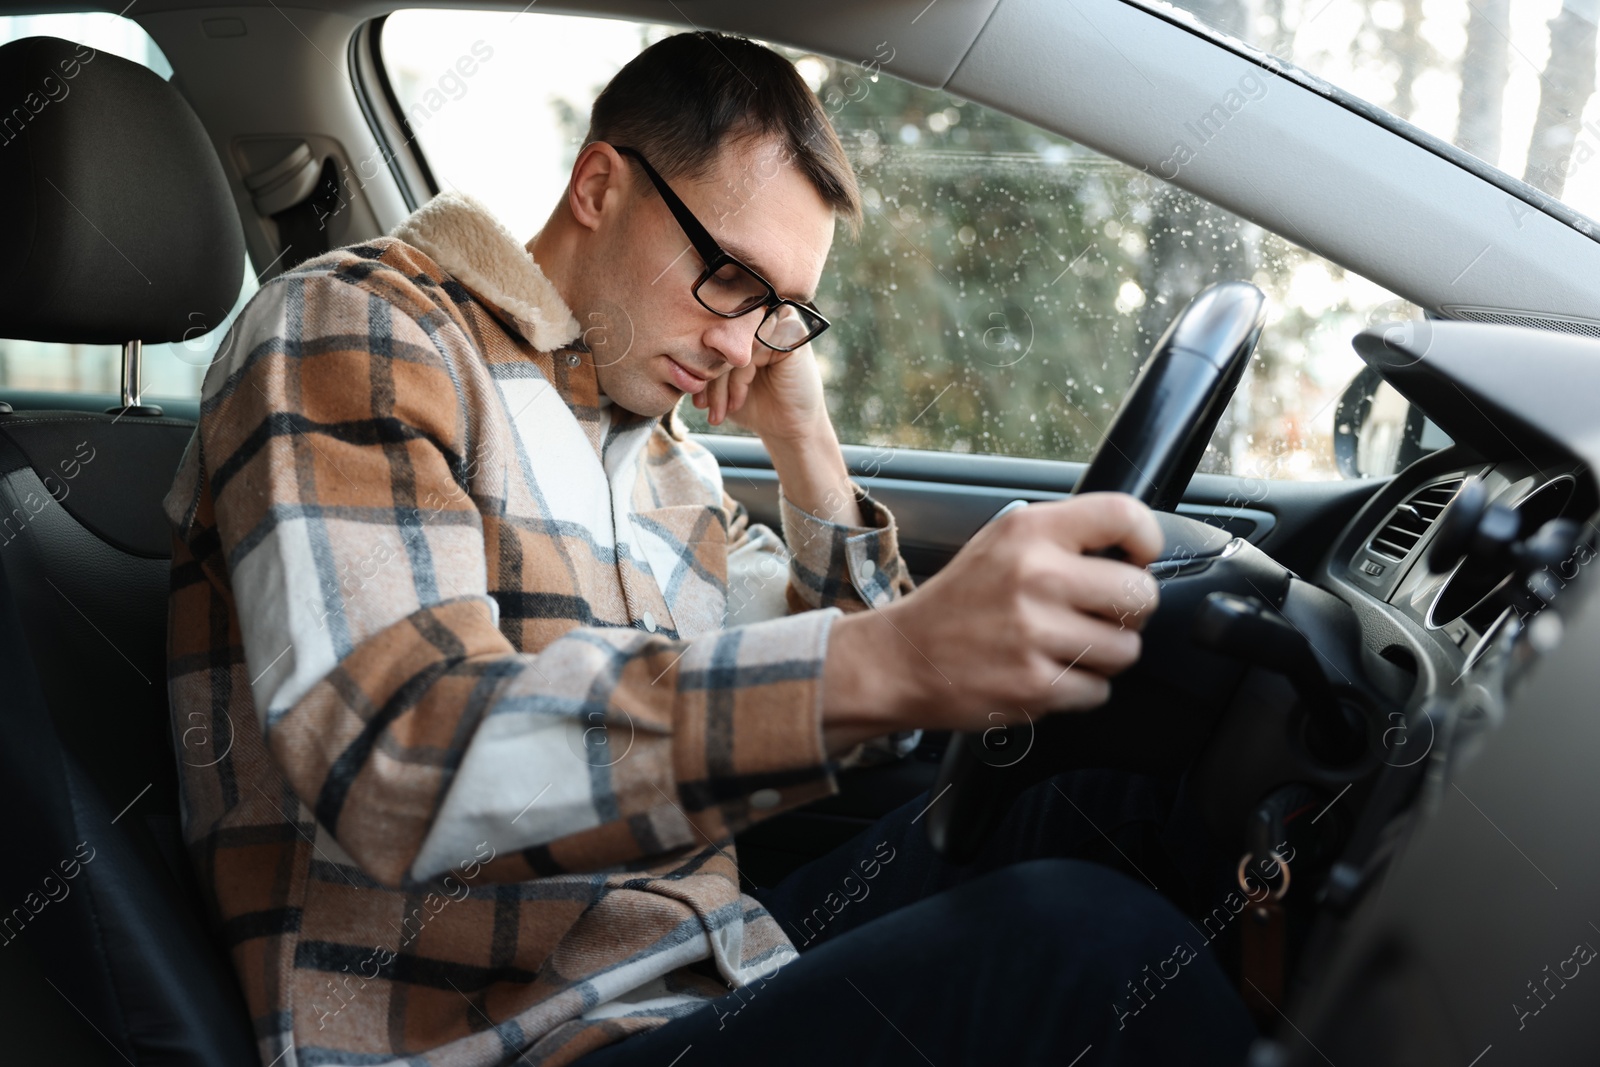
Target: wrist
x,y
812,472
802,435
865,691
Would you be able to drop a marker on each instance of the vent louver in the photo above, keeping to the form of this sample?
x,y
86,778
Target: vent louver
x,y
1412,519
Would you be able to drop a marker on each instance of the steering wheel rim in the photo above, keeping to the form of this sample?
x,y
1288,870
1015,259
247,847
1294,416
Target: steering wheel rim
x,y
1160,432
1151,451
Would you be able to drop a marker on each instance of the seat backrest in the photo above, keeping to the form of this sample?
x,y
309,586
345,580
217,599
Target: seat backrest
x,y
109,926
127,232
88,552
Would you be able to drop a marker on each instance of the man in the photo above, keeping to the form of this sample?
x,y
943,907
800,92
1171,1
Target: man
x,y
488,668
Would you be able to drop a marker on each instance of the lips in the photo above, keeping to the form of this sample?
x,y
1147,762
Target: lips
x,y
683,378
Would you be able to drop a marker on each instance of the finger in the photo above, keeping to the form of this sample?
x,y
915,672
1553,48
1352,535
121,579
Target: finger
x,y
1075,689
1098,647
1085,643
717,397
1112,590
739,380
1103,520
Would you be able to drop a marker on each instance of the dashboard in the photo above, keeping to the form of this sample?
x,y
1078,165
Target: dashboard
x,y
1522,425
1463,609
1458,866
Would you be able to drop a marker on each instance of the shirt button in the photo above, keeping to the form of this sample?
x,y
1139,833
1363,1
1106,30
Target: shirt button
x,y
572,359
868,568
762,799
649,621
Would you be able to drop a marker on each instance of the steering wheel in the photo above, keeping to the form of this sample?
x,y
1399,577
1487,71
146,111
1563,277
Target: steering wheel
x,y
1151,451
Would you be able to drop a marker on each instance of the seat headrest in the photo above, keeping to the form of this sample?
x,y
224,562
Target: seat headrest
x,y
120,225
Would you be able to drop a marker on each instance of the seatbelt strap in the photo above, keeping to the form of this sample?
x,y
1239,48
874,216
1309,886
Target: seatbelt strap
x,y
304,229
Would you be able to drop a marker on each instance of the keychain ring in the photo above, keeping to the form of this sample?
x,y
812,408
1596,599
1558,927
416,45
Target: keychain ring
x,y
1283,868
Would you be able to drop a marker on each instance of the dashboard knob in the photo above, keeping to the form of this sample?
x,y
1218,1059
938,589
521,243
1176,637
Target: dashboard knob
x,y
1552,544
1458,526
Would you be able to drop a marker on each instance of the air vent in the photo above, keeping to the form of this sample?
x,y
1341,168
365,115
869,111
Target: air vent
x,y
1411,520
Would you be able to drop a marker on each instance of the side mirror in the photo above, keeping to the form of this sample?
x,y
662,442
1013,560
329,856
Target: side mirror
x,y
1377,432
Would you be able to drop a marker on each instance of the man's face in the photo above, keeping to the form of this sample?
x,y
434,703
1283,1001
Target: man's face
x,y
652,340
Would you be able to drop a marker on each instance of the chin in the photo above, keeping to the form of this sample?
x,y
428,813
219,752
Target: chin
x,y
650,399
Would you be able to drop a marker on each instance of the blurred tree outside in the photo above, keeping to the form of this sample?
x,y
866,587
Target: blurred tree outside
x,y
1566,85
1485,68
1406,55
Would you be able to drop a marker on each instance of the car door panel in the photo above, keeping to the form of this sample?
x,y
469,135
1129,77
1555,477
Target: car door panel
x,y
941,499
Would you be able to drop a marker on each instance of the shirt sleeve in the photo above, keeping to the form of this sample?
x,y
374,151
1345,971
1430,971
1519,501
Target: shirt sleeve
x,y
336,438
850,568
847,567
832,565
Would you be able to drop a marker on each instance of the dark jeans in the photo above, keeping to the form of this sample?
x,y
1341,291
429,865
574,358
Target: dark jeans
x,y
1052,945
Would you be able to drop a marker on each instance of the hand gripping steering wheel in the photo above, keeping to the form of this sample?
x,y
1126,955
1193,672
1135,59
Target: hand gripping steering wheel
x,y
1154,445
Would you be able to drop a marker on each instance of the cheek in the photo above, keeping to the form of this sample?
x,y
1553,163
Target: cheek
x,y
666,317
662,283
656,308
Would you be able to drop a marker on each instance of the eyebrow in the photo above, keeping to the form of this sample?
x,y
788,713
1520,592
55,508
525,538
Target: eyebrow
x,y
743,255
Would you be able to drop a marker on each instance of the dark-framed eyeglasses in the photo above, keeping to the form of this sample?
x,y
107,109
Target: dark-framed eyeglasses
x,y
729,288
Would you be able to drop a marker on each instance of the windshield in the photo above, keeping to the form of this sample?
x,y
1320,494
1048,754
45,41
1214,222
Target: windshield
x,y
1511,83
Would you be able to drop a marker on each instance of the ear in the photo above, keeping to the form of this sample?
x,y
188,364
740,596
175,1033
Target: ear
x,y
597,173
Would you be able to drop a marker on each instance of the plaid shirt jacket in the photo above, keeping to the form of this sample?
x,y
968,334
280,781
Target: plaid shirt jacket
x,y
475,675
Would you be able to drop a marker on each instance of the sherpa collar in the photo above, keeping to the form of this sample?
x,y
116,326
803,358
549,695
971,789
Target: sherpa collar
x,y
468,241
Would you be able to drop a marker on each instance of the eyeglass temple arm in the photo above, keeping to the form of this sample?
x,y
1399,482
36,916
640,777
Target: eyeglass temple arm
x,y
699,237
703,242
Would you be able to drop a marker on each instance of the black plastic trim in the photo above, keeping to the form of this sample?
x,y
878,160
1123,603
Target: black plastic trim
x,y
951,468
173,407
367,71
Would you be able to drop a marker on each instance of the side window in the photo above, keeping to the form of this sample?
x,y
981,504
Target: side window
x,y
172,370
1007,283
499,100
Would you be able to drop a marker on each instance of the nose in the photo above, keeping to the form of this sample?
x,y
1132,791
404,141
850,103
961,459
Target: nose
x,y
734,339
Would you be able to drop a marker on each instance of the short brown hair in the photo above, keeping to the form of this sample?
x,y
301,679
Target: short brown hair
x,y
682,98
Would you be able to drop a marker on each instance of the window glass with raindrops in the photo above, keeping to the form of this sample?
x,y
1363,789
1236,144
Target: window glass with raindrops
x,y
1006,283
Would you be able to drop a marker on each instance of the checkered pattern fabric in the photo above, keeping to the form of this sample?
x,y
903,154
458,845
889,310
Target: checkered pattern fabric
x,y
473,674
